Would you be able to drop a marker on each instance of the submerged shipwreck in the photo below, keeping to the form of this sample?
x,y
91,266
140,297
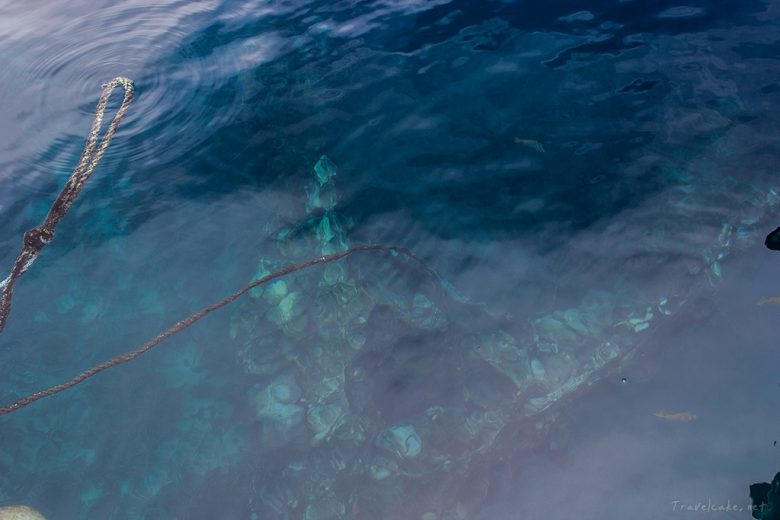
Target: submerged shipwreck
x,y
381,388
376,389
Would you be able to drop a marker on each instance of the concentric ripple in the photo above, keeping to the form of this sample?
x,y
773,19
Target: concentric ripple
x,y
56,71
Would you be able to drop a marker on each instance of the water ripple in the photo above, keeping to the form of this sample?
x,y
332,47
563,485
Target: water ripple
x,y
57,68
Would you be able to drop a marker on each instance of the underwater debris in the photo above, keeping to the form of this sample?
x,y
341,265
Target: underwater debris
x,y
276,498
639,323
768,299
278,403
663,306
288,308
402,440
502,352
425,314
724,238
381,468
323,420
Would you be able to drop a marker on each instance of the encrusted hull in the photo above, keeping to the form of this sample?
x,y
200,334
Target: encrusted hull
x,y
376,373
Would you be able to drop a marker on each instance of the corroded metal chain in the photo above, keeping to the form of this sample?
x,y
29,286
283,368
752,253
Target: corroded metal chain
x,y
186,322
39,236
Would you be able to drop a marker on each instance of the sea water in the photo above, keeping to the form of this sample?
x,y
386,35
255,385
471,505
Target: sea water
x,y
591,181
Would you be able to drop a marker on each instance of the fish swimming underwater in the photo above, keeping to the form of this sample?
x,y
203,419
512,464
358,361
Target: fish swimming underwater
x,y
536,145
676,416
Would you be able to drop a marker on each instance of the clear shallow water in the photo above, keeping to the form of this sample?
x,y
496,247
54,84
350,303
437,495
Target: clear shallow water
x,y
657,125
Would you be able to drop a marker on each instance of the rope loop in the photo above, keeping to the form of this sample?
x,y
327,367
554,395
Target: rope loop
x,y
37,237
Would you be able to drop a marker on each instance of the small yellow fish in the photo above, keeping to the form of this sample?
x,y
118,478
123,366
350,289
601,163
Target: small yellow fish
x,y
536,145
768,299
678,417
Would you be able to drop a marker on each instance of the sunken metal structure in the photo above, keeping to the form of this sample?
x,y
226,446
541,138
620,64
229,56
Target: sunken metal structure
x,y
405,386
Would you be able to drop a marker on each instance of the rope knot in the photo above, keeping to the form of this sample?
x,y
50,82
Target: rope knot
x,y
38,237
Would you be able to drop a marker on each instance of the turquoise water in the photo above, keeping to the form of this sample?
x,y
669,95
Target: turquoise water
x,y
592,181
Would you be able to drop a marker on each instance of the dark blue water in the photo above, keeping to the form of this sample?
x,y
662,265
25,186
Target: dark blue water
x,y
592,181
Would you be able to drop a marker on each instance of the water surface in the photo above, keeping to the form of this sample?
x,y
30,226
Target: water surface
x,y
609,161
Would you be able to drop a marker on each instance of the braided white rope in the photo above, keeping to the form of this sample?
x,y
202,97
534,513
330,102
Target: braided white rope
x,y
39,236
